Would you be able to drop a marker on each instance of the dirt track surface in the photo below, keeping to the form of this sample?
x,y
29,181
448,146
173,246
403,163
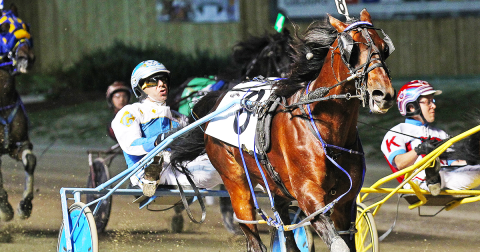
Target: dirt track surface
x,y
131,229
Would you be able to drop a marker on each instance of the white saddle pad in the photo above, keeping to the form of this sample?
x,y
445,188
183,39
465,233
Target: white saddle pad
x,y
236,126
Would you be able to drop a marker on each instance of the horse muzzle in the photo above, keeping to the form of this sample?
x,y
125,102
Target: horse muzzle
x,y
380,102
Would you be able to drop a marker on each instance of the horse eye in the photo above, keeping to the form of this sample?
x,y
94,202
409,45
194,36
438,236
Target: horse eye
x,y
385,52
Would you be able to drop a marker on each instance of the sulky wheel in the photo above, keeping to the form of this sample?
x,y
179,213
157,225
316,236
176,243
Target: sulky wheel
x,y
303,235
366,238
84,237
99,176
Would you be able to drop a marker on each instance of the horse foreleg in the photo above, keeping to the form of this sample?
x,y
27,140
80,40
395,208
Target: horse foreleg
x,y
227,214
281,204
342,217
242,203
6,210
325,228
29,162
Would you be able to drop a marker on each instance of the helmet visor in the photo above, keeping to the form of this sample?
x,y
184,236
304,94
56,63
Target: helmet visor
x,y
153,81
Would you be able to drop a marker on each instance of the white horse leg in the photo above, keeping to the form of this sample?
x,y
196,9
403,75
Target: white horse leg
x,y
6,210
29,162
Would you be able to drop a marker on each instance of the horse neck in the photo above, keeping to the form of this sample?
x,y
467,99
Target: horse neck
x,y
7,88
337,118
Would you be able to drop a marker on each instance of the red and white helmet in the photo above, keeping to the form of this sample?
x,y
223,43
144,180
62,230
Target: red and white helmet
x,y
410,92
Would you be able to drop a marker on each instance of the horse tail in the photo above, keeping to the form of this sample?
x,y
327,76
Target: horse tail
x,y
468,149
189,146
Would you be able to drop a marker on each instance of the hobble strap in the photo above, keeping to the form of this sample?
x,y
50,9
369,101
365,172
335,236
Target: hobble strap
x,y
185,202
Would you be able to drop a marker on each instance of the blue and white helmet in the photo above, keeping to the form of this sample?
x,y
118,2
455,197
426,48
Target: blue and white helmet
x,y
143,70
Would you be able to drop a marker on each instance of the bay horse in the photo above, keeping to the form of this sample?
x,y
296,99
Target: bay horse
x,y
315,149
16,57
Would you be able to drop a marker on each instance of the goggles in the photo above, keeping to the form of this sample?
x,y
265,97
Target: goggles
x,y
427,102
153,81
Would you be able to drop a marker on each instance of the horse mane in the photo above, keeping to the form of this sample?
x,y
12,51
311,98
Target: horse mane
x,y
317,40
245,51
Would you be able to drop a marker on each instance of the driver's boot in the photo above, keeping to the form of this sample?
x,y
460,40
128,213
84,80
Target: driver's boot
x,y
433,178
151,177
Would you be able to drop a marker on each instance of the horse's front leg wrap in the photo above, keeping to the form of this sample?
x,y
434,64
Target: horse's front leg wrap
x,y
325,228
29,162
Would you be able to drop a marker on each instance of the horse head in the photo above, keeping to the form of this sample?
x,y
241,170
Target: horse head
x,y
361,52
16,44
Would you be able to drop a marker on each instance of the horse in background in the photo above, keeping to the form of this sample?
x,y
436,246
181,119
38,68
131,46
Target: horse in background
x,y
267,55
315,151
16,56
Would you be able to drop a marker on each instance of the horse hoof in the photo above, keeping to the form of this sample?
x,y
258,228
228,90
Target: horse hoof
x,y
25,208
230,225
339,245
6,212
177,223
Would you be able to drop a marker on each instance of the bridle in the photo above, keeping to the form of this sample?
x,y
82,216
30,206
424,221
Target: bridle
x,y
268,52
359,73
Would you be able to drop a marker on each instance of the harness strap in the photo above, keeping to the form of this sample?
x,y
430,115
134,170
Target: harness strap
x,y
7,121
262,140
320,95
184,199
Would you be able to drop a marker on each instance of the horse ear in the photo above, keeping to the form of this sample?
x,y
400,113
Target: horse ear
x,y
337,24
14,9
365,16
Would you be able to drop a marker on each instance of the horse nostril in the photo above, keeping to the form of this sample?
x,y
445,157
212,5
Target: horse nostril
x,y
378,95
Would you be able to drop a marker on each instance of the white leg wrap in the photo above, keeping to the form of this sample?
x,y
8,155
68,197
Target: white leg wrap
x,y
24,156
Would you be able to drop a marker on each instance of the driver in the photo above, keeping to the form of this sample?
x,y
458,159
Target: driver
x,y
118,95
408,142
141,126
